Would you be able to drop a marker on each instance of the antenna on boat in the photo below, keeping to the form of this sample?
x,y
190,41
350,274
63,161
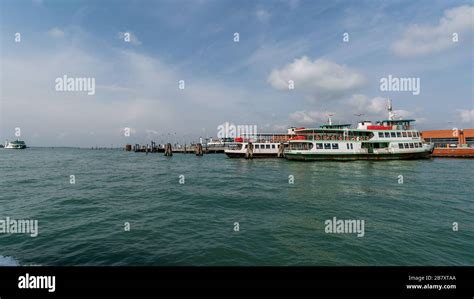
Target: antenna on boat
x,y
391,115
329,118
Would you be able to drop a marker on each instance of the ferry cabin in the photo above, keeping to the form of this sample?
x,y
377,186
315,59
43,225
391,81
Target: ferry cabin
x,y
389,139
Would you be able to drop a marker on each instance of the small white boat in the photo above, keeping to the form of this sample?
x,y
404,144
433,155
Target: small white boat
x,y
17,144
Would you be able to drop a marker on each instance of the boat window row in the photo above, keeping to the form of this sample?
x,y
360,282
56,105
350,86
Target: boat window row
x,y
410,145
398,134
264,146
332,146
340,137
301,146
319,146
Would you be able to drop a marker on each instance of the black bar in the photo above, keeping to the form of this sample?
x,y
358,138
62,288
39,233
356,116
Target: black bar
x,y
333,282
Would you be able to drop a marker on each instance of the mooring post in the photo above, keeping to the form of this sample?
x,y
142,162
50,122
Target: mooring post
x,y
168,150
249,153
281,150
199,149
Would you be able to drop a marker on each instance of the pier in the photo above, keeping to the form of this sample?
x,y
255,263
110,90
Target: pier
x,y
169,150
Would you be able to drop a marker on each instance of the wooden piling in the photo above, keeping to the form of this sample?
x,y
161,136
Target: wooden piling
x,y
249,153
168,150
199,149
281,150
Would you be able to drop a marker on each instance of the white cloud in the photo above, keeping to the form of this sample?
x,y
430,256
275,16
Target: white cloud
x,y
351,111
419,40
375,108
362,104
308,117
321,78
263,15
133,90
130,37
467,116
56,33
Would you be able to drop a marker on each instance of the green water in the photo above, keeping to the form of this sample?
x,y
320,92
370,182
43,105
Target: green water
x,y
193,223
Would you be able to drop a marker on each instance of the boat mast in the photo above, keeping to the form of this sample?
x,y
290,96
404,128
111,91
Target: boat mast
x,y
329,118
391,115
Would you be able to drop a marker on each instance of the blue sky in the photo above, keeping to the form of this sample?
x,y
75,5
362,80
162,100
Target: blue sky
x,y
227,81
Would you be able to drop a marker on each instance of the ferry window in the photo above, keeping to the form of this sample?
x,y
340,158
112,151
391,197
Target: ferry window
x,y
411,145
352,147
400,145
399,134
406,145
421,145
335,146
392,134
257,146
380,134
417,145
267,146
245,146
417,134
327,146
404,134
319,146
273,146
387,134
347,145
409,134
310,145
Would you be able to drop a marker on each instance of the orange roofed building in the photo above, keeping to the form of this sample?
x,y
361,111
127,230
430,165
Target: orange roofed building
x,y
451,143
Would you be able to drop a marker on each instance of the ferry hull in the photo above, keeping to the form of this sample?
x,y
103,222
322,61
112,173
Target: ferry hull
x,y
353,157
255,155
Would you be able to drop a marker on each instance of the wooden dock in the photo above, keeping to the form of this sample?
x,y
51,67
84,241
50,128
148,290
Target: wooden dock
x,y
197,149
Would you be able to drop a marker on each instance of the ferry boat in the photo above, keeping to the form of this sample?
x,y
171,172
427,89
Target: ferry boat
x,y
264,145
384,140
17,144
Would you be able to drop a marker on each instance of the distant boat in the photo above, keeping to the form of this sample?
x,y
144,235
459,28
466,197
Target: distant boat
x,y
17,144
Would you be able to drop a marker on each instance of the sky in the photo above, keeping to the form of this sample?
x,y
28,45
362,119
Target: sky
x,y
335,53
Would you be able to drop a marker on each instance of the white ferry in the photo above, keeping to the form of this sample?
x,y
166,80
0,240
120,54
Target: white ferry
x,y
264,145
384,140
17,144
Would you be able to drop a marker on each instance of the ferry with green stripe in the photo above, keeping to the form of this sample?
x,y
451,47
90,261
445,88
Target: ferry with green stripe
x,y
391,139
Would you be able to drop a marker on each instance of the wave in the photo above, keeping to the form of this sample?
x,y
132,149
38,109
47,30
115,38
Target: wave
x,y
8,261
